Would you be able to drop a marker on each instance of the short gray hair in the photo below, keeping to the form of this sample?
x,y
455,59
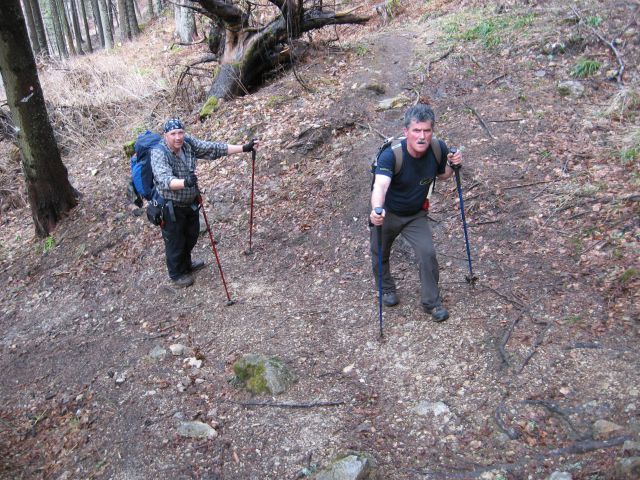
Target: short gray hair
x,y
419,113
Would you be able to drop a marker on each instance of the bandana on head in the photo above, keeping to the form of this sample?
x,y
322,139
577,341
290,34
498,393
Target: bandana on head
x,y
173,124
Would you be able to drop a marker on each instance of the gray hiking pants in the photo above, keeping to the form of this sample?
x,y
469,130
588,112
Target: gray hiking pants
x,y
417,231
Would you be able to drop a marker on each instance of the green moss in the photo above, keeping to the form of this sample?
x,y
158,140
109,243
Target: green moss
x,y
251,374
128,148
628,274
210,106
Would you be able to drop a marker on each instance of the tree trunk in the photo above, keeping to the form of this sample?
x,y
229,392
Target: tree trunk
x,y
134,28
159,6
106,24
136,8
85,21
125,33
57,28
31,25
97,21
185,23
42,36
64,21
50,193
150,9
76,26
250,53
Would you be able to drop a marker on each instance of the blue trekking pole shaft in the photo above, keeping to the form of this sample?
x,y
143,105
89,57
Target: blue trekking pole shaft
x,y
456,171
378,210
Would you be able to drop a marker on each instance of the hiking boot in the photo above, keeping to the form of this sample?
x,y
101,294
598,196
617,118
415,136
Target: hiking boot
x,y
183,281
196,265
438,313
389,299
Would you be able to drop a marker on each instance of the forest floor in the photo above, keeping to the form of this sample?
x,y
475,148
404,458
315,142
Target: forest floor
x,y
518,383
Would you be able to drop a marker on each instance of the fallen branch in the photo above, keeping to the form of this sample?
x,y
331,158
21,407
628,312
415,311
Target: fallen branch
x,y
506,120
556,410
522,185
482,124
495,79
290,405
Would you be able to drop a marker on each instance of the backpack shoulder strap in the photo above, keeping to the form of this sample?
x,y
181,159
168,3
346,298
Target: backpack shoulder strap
x,y
396,148
437,150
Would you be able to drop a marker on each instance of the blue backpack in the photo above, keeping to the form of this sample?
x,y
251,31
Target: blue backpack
x,y
141,185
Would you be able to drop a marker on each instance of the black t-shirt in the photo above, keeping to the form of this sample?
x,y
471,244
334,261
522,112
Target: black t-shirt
x,y
409,187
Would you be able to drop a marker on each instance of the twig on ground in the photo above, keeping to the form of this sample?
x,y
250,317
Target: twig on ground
x,y
555,409
482,123
495,79
536,344
500,410
522,185
441,57
505,120
503,296
290,405
505,339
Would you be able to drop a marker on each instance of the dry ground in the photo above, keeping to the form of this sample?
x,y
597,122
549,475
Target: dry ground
x,y
544,345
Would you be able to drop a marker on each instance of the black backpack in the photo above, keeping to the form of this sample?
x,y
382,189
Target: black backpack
x,y
396,147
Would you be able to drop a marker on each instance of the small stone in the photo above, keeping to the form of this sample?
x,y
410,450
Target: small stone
x,y
571,88
196,430
604,428
177,349
120,378
628,468
157,353
193,362
560,476
631,447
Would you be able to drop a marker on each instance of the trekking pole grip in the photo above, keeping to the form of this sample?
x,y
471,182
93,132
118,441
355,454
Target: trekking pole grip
x,y
378,210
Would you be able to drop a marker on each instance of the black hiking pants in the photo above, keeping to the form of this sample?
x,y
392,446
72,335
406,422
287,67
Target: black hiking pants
x,y
417,231
180,236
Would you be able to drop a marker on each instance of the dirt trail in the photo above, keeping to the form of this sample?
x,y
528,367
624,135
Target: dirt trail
x,y
83,399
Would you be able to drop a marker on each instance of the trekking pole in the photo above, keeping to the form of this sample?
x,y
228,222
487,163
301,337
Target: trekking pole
x,y
253,177
215,252
456,170
378,211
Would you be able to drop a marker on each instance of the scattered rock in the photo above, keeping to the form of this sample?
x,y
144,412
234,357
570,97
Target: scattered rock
x,y
426,408
353,466
631,447
196,430
120,378
193,362
604,428
571,88
628,468
560,476
375,87
157,353
177,349
262,374
391,103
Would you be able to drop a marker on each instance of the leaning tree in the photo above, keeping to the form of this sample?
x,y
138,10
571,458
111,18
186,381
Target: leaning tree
x,y
50,193
248,50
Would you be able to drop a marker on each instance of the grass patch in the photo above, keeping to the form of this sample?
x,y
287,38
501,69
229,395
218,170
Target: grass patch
x,y
585,68
361,49
594,20
628,275
629,155
48,244
275,101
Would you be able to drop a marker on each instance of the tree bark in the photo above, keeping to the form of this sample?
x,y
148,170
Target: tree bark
x,y
185,23
97,21
150,12
251,53
134,28
76,27
57,28
85,21
50,193
125,33
42,36
66,29
31,26
106,24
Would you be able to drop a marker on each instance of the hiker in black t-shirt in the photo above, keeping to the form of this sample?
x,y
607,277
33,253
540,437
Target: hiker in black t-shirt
x,y
403,196
174,164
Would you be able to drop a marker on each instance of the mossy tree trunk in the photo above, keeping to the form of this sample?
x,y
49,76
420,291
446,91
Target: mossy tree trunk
x,y
251,52
50,193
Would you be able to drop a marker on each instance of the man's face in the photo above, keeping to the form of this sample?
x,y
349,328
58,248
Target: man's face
x,y
418,137
174,139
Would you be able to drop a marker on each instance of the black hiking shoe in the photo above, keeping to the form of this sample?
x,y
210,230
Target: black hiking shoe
x,y
182,281
438,313
196,265
390,299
